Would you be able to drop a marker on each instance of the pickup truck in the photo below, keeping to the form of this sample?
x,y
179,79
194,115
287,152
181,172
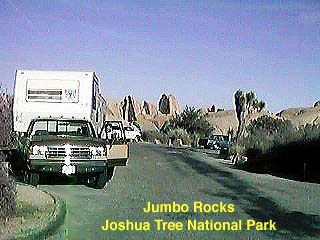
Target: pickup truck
x,y
66,146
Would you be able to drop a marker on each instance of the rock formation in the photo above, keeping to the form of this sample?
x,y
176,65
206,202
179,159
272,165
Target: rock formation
x,y
114,109
212,108
316,104
169,105
145,113
130,109
164,104
148,109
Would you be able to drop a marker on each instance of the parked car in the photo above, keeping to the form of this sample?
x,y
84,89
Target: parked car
x,y
218,143
132,134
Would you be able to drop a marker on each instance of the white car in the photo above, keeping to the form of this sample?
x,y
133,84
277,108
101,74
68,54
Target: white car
x,y
132,134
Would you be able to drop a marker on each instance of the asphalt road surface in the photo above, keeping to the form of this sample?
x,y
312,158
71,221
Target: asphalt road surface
x,y
159,174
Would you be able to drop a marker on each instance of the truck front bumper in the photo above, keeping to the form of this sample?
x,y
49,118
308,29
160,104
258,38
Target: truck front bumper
x,y
90,166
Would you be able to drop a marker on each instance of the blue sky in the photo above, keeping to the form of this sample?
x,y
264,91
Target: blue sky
x,y
200,51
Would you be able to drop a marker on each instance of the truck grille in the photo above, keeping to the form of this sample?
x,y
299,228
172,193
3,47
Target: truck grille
x,y
76,152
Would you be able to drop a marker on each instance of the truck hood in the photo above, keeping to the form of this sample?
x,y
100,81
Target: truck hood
x,y
62,140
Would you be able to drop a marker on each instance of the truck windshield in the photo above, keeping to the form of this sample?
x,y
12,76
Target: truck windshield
x,y
61,127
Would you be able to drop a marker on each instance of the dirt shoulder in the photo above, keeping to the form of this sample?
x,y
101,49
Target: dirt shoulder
x,y
38,214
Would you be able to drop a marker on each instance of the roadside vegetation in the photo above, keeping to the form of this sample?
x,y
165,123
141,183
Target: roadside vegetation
x,y
276,146
7,183
186,127
246,105
273,145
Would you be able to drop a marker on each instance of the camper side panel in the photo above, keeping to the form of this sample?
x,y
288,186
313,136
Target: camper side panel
x,y
51,94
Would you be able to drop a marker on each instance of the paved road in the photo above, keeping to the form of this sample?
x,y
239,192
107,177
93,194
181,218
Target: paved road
x,y
166,175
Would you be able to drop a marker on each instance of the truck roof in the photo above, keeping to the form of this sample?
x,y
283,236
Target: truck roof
x,y
60,119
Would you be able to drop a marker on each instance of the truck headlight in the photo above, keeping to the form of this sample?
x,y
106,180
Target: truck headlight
x,y
93,151
97,151
38,150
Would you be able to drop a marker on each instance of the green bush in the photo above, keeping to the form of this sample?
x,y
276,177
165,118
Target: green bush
x,y
266,132
309,132
277,147
192,121
180,133
151,136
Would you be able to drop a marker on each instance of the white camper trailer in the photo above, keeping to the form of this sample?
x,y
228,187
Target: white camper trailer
x,y
57,94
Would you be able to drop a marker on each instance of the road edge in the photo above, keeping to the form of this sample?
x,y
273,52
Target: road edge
x,y
50,226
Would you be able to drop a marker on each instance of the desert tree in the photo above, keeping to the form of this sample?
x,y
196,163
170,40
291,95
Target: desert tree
x,y
192,120
246,105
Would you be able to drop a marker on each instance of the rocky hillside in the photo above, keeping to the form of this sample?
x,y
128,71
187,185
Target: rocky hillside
x,y
149,116
302,116
224,120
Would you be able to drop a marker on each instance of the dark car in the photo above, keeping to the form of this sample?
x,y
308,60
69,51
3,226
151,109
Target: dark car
x,y
219,144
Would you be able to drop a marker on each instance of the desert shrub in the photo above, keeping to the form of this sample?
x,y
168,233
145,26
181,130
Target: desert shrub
x,y
266,132
236,148
6,104
7,184
309,132
276,146
151,136
180,133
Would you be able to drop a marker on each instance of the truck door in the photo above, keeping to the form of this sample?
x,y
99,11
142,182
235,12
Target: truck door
x,y
116,146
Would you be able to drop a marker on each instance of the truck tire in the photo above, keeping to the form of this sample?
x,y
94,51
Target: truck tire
x,y
34,179
101,179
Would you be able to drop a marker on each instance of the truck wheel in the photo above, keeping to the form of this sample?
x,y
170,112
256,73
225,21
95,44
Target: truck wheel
x,y
101,179
34,179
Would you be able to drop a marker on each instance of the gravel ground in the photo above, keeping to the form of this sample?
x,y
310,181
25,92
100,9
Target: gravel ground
x,y
34,207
